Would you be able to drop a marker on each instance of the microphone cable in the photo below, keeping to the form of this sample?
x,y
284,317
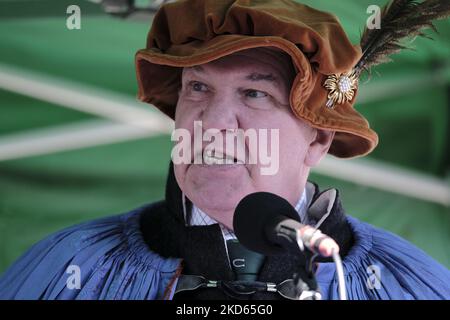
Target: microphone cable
x,y
340,275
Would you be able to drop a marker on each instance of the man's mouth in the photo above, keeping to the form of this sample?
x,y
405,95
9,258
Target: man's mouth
x,y
216,157
211,156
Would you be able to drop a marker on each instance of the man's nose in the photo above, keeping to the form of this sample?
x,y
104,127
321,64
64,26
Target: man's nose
x,y
221,113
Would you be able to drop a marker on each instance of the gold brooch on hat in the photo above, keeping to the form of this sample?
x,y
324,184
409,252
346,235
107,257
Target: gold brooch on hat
x,y
341,88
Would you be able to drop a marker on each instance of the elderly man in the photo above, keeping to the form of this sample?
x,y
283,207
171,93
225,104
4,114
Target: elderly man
x,y
236,65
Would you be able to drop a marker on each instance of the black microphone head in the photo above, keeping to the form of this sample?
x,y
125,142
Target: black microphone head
x,y
256,213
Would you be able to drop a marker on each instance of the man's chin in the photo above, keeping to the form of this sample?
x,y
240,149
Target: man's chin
x,y
216,194
218,187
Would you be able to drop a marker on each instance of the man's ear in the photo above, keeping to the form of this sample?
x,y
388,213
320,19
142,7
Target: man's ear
x,y
319,146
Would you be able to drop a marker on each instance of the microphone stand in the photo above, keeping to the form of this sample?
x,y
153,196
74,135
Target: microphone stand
x,y
309,290
305,283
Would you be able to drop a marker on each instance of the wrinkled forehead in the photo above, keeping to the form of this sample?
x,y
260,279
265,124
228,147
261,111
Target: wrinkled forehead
x,y
266,61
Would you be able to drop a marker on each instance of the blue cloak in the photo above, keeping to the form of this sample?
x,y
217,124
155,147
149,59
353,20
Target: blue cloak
x,y
116,263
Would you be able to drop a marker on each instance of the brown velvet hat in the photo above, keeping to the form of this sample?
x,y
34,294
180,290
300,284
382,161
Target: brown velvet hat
x,y
194,32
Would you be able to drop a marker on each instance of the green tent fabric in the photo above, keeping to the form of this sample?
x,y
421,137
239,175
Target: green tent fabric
x,y
407,104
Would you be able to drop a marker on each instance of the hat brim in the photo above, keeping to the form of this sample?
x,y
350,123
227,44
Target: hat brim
x,y
159,80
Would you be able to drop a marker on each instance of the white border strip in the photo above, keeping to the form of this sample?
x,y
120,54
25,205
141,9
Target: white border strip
x,y
85,99
387,177
69,137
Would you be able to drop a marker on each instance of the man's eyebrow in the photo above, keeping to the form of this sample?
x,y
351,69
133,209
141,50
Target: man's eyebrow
x,y
259,76
254,76
197,68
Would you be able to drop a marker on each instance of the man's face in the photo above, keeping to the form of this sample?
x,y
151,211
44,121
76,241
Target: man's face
x,y
246,90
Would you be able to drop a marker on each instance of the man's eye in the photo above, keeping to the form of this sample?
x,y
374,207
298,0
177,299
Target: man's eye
x,y
255,93
198,86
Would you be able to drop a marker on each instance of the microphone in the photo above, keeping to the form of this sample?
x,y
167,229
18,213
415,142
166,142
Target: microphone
x,y
267,223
